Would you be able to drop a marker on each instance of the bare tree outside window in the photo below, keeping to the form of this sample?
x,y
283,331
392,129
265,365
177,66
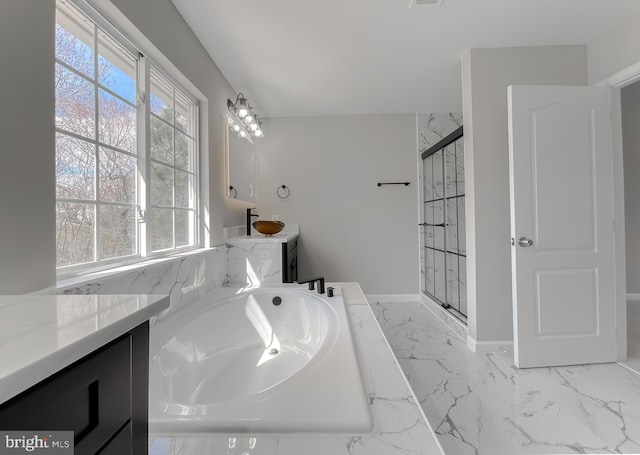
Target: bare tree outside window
x,y
98,163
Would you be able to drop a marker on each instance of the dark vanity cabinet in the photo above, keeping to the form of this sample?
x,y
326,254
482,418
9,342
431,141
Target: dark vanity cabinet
x,y
290,261
102,398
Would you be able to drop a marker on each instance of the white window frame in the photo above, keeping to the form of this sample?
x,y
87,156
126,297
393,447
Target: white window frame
x,y
144,114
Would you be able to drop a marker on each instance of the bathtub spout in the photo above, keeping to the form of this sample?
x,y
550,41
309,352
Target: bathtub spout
x,y
312,282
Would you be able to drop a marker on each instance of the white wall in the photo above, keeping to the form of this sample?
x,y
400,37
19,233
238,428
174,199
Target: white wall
x,y
27,169
27,173
351,229
630,100
614,52
486,74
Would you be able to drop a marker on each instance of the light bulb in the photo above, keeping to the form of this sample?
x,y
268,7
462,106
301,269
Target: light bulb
x,y
242,112
236,127
253,126
248,119
257,133
242,134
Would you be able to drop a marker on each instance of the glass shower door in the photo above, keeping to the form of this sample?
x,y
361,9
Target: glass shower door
x,y
444,225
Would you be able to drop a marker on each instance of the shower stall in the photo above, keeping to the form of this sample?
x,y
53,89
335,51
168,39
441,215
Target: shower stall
x,y
443,226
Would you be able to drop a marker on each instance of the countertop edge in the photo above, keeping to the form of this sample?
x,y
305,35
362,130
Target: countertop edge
x,y
33,373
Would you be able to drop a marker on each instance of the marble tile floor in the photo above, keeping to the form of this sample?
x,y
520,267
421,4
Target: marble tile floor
x,y
480,404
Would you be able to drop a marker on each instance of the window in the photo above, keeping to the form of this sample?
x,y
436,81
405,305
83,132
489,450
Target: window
x,y
126,163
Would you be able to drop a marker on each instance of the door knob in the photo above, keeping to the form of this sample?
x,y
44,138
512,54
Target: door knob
x,y
524,242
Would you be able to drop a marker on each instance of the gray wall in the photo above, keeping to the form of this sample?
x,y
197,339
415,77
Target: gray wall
x,y
486,74
631,148
614,52
351,229
27,173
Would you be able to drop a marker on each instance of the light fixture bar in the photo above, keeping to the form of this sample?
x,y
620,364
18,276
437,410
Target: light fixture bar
x,y
242,119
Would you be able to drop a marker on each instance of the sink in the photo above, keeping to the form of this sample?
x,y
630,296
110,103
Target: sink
x,y
268,227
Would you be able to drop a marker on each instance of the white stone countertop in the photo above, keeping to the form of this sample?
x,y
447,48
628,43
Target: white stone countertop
x,y
237,234
42,334
400,427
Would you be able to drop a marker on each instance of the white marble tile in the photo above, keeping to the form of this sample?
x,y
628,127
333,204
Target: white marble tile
x,y
459,144
433,127
481,404
437,176
451,220
184,278
254,263
450,171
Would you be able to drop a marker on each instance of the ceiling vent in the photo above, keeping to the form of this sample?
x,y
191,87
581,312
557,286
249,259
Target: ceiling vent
x,y
415,3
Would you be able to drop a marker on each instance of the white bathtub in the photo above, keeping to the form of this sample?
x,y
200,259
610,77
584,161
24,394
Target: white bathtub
x,y
245,365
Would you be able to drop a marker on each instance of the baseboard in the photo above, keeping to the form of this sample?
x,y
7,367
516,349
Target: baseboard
x,y
489,346
458,327
393,297
633,298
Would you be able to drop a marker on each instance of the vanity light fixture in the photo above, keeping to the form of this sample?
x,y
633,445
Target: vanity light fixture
x,y
241,118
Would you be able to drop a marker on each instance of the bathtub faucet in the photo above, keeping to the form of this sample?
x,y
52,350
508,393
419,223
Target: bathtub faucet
x,y
312,282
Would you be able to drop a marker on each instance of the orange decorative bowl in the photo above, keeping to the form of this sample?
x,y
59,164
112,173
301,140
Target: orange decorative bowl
x,y
268,227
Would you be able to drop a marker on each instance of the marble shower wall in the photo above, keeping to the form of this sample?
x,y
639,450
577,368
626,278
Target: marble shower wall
x,y
432,128
185,278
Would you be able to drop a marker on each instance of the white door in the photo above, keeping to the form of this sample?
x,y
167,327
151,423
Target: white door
x,y
562,212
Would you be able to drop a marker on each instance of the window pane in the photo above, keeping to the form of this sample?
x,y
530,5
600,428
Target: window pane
x,y
161,141
452,225
437,175
74,233
75,168
74,39
117,231
117,176
161,185
428,178
450,170
117,123
438,231
183,189
117,67
453,297
183,227
75,103
184,151
183,113
161,96
161,229
439,277
460,166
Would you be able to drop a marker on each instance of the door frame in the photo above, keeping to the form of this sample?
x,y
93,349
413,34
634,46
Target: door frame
x,y
616,82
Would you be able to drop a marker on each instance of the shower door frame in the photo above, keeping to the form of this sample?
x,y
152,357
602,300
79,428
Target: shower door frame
x,y
440,146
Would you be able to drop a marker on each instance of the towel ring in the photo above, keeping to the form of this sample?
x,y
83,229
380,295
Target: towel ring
x,y
283,191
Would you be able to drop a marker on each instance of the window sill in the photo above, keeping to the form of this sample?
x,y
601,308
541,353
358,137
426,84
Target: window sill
x,y
92,276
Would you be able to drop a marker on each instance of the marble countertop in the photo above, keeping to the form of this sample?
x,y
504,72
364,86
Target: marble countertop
x,y
42,334
400,427
237,234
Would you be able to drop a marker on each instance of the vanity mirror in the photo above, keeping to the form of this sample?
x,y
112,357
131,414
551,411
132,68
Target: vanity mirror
x,y
243,126
241,172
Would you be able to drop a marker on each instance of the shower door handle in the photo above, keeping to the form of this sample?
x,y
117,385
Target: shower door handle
x,y
525,242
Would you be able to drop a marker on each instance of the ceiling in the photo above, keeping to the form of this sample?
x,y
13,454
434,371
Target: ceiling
x,y
334,57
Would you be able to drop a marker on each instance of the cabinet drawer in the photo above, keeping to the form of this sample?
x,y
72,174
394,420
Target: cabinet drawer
x,y
91,397
121,444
